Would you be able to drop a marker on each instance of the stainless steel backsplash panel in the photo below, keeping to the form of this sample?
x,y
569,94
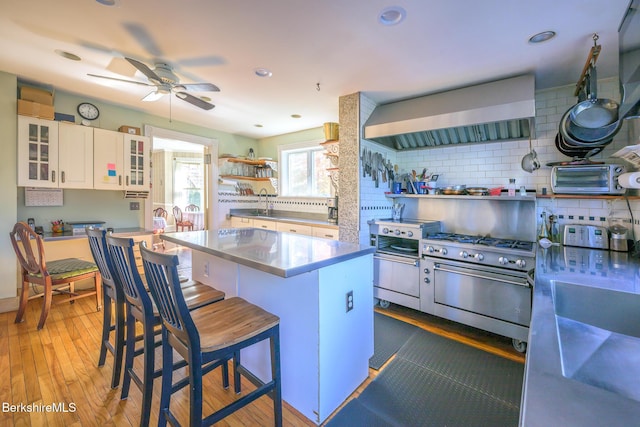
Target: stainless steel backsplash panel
x,y
506,219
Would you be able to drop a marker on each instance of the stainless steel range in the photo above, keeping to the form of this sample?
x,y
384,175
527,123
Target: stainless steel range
x,y
396,262
478,281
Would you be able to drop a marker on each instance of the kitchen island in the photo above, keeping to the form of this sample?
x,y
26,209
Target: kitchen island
x,y
583,360
321,289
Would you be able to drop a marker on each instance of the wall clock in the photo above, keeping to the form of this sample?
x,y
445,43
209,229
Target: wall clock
x,y
88,111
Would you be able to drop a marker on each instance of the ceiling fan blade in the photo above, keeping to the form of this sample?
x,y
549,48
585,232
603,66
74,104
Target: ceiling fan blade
x,y
153,96
143,37
120,80
195,100
198,87
145,70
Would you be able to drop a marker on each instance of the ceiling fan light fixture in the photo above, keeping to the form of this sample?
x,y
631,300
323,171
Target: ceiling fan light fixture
x,y
154,96
392,15
67,55
263,72
542,37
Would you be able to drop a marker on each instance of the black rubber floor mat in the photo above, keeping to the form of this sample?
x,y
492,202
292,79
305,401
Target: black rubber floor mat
x,y
355,415
435,381
485,372
389,335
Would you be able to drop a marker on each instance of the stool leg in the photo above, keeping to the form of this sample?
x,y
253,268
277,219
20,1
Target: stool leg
x,y
236,372
129,353
149,367
195,394
167,374
106,328
275,374
119,345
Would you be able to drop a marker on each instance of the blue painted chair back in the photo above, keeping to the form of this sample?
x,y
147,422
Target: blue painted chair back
x,y
161,271
98,246
124,263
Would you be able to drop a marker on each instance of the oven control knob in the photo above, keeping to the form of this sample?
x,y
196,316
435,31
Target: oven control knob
x,y
397,232
443,251
503,260
521,263
426,271
479,256
385,230
409,233
430,249
426,280
464,254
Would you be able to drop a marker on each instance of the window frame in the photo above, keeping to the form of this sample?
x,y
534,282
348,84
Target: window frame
x,y
304,146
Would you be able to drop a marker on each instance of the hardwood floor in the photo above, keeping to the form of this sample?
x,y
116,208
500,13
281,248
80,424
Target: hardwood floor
x,y
58,366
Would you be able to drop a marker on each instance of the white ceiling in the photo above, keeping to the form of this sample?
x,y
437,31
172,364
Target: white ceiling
x,y
338,44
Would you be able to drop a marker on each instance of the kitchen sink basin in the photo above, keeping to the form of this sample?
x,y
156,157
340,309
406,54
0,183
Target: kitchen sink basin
x,y
599,336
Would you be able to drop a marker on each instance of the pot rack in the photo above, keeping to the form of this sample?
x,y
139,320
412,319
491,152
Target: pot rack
x,y
591,61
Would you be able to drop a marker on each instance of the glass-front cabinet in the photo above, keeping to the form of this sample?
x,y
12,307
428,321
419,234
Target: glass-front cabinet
x,y
37,152
137,162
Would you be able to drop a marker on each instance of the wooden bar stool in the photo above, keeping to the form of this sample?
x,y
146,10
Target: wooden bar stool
x,y
140,308
113,302
207,336
57,276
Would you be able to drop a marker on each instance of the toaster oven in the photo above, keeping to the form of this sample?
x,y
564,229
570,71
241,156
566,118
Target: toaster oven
x,y
587,179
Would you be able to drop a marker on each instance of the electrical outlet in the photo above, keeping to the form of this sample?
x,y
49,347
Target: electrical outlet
x,y
349,301
206,269
134,206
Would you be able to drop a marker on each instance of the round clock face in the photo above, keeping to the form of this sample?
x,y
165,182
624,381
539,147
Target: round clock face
x,y
88,111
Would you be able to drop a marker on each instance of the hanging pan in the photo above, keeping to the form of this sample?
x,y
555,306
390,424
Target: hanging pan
x,y
594,112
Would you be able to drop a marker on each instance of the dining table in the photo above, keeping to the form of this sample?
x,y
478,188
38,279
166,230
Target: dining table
x,y
196,218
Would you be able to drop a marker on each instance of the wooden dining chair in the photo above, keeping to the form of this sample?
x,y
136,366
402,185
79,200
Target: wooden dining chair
x,y
180,221
192,208
55,277
159,212
113,318
140,308
209,336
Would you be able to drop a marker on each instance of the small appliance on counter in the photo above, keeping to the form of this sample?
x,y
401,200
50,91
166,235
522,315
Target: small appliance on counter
x,y
586,236
332,206
619,234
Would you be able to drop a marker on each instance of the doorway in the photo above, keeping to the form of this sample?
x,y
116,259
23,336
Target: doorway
x,y
182,177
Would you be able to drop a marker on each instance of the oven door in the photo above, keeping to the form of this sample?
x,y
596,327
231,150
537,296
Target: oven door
x,y
397,279
487,291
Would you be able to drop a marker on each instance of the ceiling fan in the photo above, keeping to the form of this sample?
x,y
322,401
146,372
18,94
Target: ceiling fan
x,y
165,82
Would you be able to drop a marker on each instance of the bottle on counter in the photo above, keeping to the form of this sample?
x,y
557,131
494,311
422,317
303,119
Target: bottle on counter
x,y
511,187
544,227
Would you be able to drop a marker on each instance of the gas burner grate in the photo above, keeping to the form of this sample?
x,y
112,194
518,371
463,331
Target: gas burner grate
x,y
484,241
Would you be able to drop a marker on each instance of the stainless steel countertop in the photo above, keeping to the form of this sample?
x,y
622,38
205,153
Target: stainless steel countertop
x,y
549,398
281,254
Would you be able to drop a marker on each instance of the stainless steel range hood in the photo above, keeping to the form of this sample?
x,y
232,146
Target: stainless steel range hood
x,y
491,112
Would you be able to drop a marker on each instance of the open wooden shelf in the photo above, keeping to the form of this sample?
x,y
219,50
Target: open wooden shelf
x,y
586,196
245,178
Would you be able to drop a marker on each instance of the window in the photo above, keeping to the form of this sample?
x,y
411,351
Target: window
x,y
303,170
188,182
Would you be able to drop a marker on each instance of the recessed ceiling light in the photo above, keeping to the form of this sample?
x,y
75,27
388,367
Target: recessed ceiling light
x,y
68,55
542,37
263,72
392,15
296,116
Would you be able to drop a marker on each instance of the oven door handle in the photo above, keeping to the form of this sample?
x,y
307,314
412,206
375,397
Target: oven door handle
x,y
481,276
413,262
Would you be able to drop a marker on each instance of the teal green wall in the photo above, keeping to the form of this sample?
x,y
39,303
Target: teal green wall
x,y
9,178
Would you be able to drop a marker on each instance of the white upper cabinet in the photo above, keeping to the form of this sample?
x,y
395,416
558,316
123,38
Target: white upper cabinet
x,y
75,156
121,161
54,155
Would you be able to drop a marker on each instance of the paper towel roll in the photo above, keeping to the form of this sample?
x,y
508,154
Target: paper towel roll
x,y
629,180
